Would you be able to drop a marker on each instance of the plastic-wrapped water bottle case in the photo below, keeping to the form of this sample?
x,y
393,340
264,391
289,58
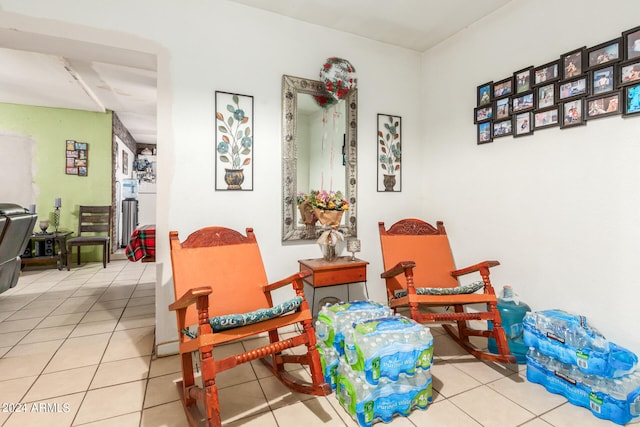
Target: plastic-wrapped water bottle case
x,y
568,356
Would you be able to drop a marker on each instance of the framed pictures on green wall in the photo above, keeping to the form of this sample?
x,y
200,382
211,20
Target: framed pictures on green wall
x,y
77,158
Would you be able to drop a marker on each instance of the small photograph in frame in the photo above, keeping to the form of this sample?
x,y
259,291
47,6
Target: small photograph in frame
x,y
572,88
631,42
523,124
503,87
604,53
572,63
484,133
546,96
522,102
629,72
573,113
546,73
71,145
545,118
502,128
603,80
503,108
522,80
603,105
631,100
484,94
481,114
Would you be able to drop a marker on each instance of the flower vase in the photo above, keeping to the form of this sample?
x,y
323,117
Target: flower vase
x,y
328,251
234,178
331,244
389,182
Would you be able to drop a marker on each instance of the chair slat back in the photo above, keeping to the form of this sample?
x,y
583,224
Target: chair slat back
x,y
428,247
225,260
94,219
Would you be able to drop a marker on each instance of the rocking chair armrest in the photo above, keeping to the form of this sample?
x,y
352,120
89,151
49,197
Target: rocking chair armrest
x,y
485,265
399,268
294,279
190,297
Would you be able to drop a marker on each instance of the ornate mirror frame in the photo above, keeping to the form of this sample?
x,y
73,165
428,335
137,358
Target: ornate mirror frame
x,y
291,87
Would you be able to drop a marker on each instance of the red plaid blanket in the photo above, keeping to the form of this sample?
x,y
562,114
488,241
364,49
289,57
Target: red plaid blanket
x,y
142,243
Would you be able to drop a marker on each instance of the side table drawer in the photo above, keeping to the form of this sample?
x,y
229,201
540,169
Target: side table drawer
x,y
338,277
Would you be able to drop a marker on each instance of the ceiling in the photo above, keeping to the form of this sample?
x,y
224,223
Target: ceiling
x,y
62,73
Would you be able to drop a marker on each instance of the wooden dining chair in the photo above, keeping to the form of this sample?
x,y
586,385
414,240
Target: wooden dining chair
x,y
420,275
92,221
223,296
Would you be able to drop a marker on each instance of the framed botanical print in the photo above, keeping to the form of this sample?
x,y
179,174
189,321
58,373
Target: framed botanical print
x,y
234,141
389,152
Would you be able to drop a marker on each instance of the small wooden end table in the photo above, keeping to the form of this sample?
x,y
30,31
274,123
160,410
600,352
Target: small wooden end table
x,y
59,254
341,271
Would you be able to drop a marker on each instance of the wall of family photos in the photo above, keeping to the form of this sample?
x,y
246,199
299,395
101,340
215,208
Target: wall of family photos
x,y
583,84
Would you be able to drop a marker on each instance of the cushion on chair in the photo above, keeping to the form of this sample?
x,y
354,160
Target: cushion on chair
x,y
230,321
464,289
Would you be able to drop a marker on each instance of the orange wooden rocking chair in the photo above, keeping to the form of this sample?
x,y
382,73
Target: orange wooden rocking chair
x,y
223,296
420,273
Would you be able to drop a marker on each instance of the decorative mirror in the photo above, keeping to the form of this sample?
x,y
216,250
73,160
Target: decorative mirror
x,y
319,152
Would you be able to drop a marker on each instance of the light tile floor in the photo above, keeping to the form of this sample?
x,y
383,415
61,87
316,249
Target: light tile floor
x,y
76,349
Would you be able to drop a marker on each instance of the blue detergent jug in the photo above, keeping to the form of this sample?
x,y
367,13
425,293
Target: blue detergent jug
x,y
512,312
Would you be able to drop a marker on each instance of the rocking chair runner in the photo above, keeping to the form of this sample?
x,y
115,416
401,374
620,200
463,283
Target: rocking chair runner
x,y
420,272
219,278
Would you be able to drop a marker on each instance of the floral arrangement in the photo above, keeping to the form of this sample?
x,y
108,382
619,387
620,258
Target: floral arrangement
x,y
325,200
236,135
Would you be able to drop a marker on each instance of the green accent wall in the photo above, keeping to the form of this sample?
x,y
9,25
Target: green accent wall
x,y
50,128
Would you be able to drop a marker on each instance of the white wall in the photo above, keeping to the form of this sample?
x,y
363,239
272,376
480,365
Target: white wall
x,y
208,46
16,169
559,208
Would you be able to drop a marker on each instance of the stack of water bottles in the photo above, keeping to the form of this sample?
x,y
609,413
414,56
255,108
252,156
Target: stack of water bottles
x,y
332,321
379,363
570,357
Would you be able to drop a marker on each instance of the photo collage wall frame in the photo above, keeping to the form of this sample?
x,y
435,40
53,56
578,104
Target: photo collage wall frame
x,y
581,85
77,158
